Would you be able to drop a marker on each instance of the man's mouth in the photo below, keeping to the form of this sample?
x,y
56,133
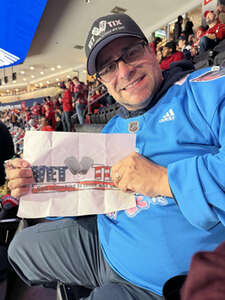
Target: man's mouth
x,y
132,84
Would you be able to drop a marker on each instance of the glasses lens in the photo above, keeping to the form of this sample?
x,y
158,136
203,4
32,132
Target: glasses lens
x,y
107,72
130,56
134,53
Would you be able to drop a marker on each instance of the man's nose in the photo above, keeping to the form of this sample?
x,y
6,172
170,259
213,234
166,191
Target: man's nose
x,y
124,69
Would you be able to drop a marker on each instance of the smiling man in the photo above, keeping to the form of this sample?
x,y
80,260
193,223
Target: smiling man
x,y
177,175
134,83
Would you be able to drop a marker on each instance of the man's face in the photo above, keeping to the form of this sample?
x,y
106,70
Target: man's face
x,y
133,83
166,52
181,44
210,18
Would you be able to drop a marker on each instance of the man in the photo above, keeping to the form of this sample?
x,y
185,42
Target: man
x,y
177,28
188,28
49,112
36,110
170,54
220,11
67,108
45,125
80,98
214,34
177,175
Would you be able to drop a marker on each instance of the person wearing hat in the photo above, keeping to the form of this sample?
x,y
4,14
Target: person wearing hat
x,y
214,34
170,54
176,173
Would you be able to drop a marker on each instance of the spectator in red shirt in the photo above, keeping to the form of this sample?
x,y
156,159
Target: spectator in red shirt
x,y
48,111
71,85
155,43
67,108
45,126
77,88
27,115
36,111
80,98
170,54
214,34
57,103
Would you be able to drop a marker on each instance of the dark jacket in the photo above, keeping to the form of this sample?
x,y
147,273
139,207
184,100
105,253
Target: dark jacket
x,y
206,278
6,150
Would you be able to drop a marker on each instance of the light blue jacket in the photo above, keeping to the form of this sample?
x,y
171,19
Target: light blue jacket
x,y
185,132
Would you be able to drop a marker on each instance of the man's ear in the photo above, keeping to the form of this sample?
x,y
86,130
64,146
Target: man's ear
x,y
99,79
150,49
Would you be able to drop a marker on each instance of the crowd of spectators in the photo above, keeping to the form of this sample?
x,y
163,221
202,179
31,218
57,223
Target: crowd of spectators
x,y
187,43
59,113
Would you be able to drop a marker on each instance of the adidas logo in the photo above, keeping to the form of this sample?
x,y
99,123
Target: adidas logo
x,y
169,116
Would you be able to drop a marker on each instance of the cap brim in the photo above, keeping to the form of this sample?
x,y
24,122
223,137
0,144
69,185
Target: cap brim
x,y
91,62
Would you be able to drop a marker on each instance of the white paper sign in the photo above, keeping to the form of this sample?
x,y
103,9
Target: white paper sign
x,y
73,173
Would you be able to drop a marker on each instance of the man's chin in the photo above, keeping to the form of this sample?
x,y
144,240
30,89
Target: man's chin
x,y
137,106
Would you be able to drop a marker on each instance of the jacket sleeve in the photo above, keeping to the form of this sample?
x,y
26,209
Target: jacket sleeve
x,y
198,183
220,32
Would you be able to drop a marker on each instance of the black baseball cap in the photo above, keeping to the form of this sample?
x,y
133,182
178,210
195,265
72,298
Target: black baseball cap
x,y
106,29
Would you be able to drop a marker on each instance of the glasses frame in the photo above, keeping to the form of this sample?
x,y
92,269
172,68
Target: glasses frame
x,y
121,58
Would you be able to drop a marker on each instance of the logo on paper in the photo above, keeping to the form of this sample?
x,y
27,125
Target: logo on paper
x,y
58,178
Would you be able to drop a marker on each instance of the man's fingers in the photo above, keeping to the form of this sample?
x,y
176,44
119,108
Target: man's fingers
x,y
16,163
18,173
17,193
20,182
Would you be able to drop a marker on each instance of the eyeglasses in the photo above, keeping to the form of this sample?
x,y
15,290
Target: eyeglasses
x,y
129,56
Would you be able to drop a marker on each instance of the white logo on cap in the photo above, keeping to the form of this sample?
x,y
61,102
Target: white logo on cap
x,y
96,31
102,27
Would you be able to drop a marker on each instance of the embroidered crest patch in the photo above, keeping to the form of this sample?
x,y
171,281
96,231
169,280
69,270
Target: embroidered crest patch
x,y
133,126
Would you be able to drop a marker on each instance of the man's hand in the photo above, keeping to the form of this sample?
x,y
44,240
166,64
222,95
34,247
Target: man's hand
x,y
137,174
211,36
20,176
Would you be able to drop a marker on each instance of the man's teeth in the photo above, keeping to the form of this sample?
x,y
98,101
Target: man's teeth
x,y
130,85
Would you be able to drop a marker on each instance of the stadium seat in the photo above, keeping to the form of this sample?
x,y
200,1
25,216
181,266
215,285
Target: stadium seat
x,y
65,292
219,59
220,47
172,287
